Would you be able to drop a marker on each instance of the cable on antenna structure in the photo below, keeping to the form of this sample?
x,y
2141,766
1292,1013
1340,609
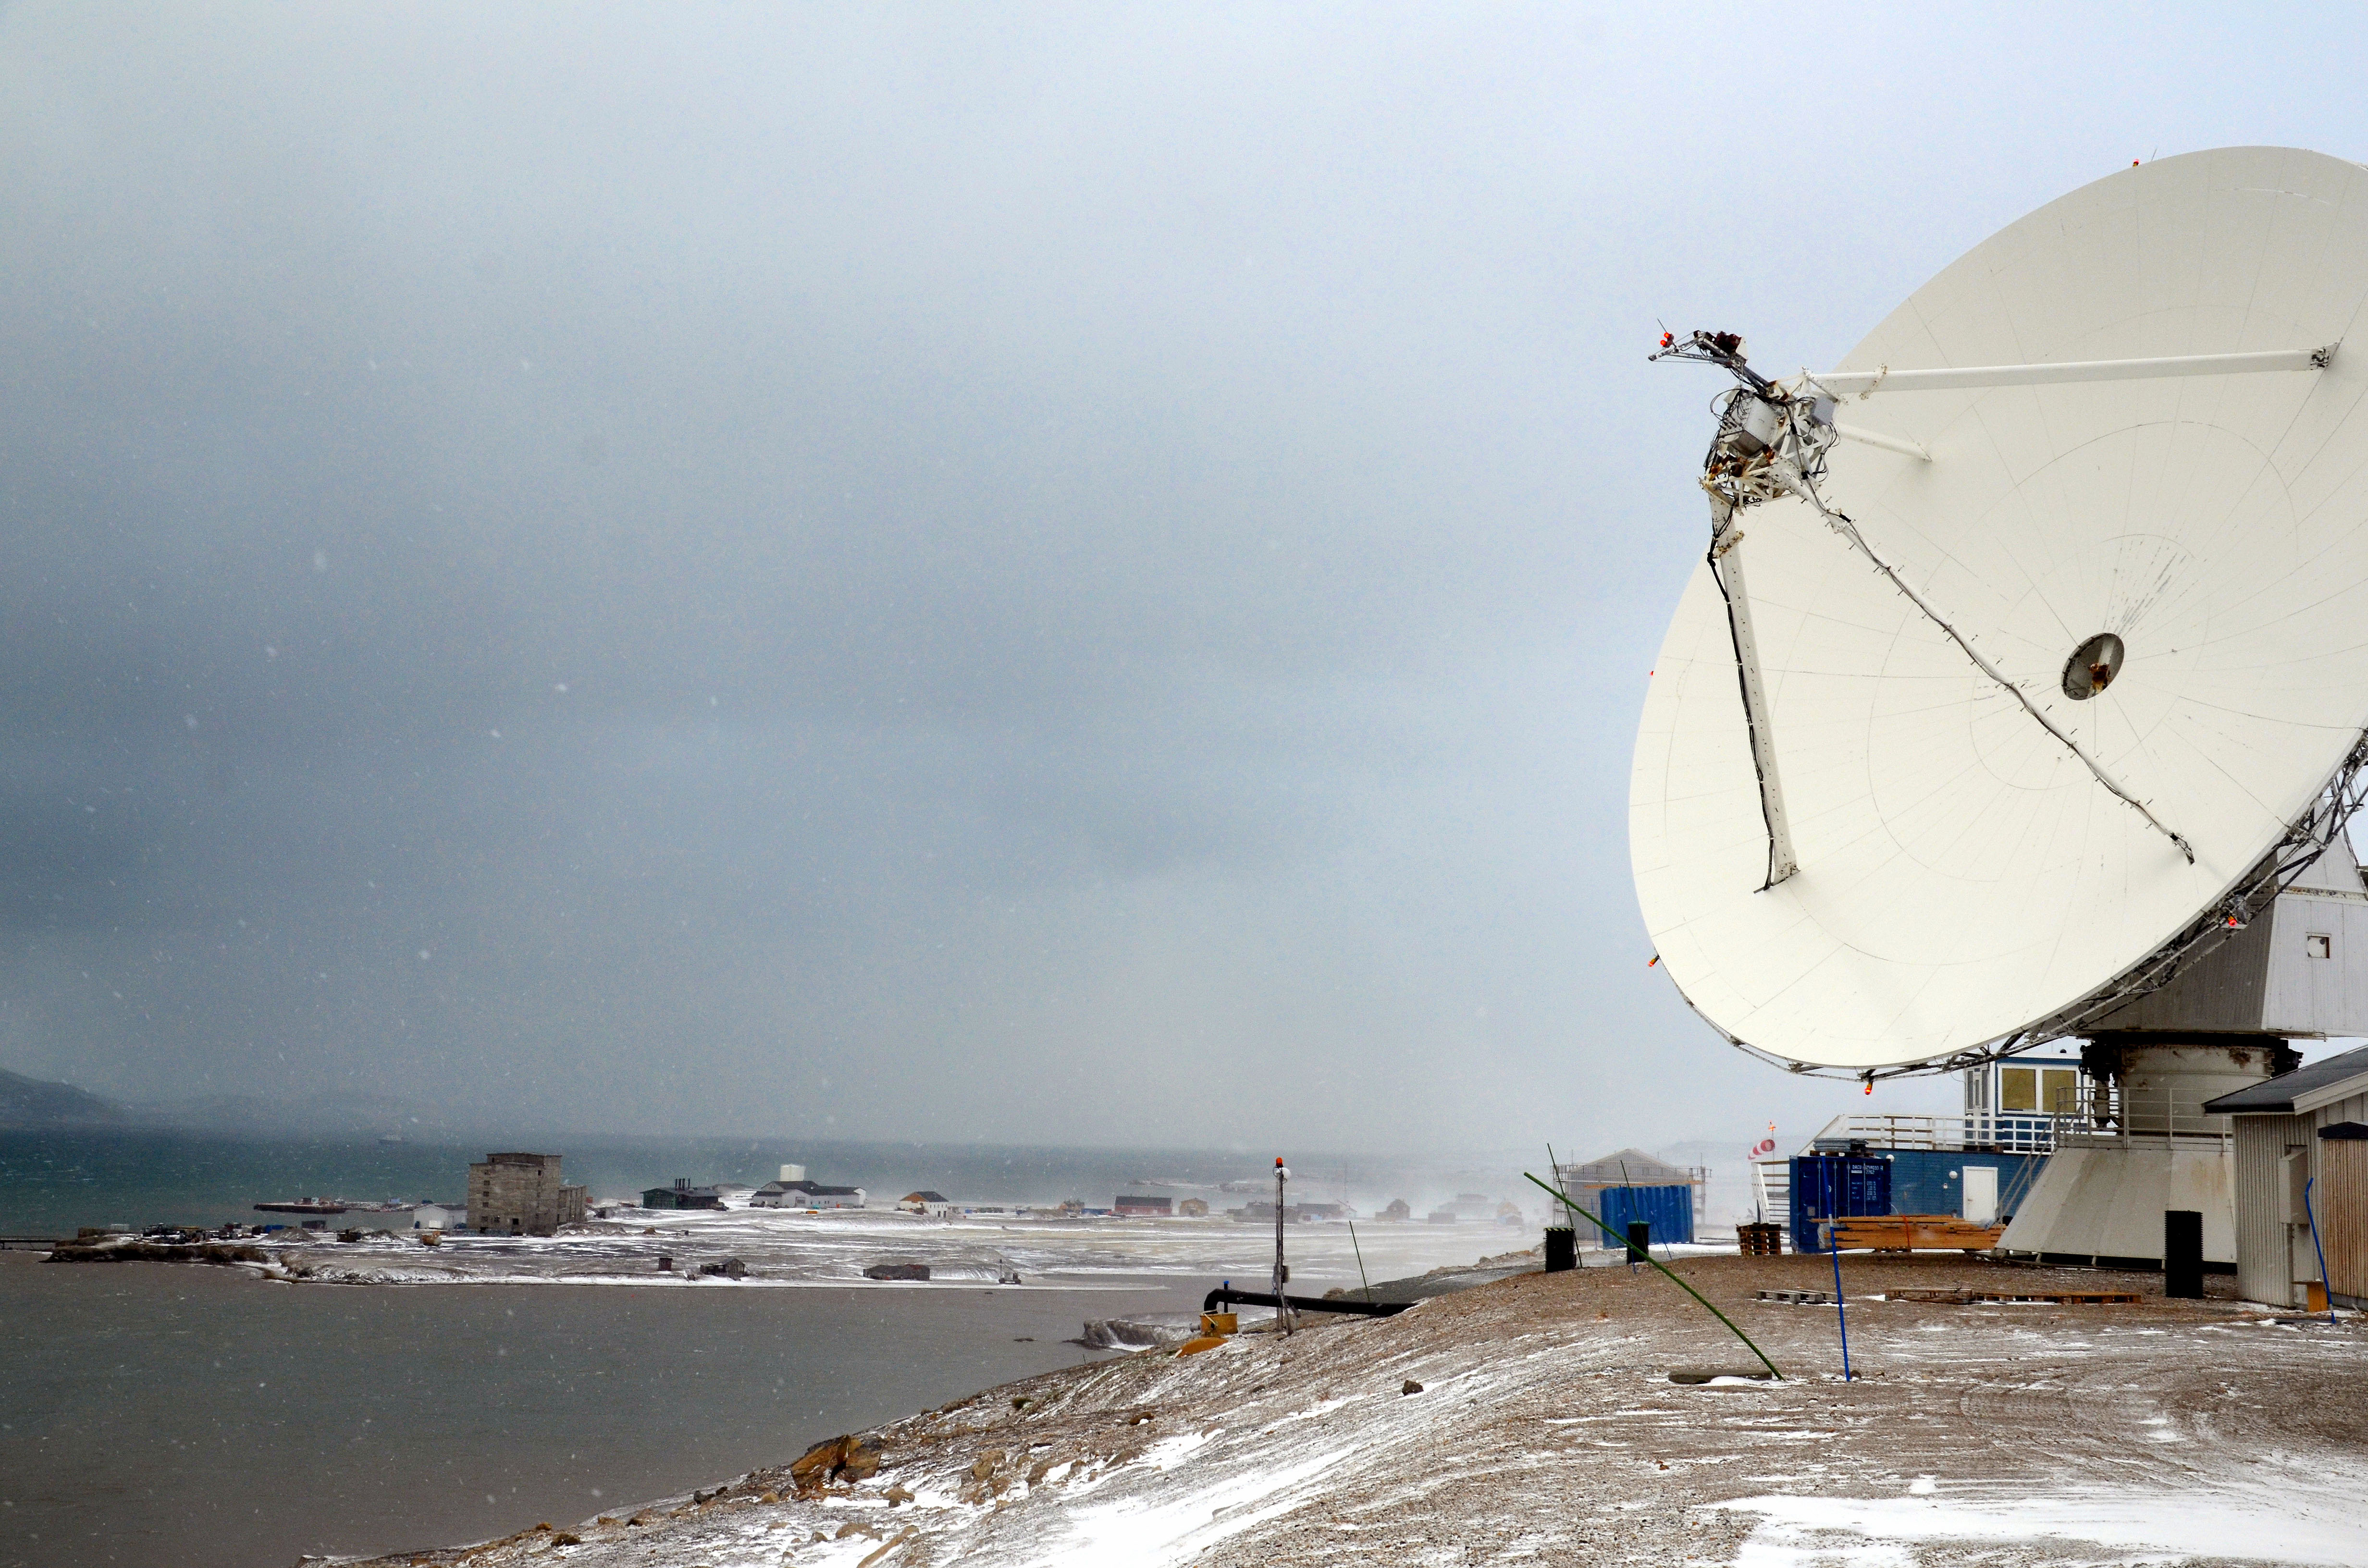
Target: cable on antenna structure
x,y
1759,425
1771,442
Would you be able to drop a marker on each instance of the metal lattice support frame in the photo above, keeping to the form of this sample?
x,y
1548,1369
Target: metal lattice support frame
x,y
2305,839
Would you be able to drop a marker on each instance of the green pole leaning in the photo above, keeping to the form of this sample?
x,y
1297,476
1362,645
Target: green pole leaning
x,y
1681,1285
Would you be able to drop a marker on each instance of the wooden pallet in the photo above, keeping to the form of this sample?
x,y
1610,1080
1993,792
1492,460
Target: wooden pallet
x,y
2023,1298
1913,1233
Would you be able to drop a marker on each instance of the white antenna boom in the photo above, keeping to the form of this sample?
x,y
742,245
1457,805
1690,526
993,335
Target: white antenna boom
x,y
1900,444
1965,377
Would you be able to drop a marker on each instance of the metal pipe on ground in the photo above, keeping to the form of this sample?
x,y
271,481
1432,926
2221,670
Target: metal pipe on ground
x,y
1225,1293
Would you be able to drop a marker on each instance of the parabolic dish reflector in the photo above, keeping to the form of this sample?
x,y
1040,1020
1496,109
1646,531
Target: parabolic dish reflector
x,y
2171,570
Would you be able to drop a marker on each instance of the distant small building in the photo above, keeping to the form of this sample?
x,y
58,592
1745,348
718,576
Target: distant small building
x,y
1399,1210
1161,1207
1587,1183
682,1195
1193,1208
805,1194
520,1194
1441,1217
427,1217
1261,1212
925,1202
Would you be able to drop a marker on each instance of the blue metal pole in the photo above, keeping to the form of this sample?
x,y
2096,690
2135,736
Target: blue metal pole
x,y
1833,1245
2324,1284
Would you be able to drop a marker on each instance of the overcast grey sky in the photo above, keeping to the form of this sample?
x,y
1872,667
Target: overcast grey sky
x,y
1058,574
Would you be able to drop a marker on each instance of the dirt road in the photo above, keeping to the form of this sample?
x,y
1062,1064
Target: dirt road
x,y
1546,1429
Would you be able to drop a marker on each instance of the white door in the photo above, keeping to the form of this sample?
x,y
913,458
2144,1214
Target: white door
x,y
1981,1195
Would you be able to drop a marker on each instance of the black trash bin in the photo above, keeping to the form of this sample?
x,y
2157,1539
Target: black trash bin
x,y
1640,1241
2182,1254
1562,1248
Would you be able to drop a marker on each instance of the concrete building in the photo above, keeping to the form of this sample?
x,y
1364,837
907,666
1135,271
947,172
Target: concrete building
x,y
521,1195
2299,1157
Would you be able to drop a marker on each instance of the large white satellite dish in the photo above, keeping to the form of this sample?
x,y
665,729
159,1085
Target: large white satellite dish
x,y
2030,649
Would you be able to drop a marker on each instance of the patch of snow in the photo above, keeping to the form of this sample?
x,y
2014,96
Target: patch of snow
x,y
1152,1535
2321,1522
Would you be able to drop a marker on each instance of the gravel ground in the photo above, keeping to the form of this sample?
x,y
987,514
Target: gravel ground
x,y
1546,1429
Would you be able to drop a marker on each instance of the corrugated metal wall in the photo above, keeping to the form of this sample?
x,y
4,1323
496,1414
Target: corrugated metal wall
x,y
2341,1203
1670,1211
1827,1186
2264,1248
2346,1239
2274,1252
1931,1181
2263,977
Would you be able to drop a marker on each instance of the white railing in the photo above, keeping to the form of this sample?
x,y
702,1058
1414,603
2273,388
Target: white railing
x,y
2008,1132
1771,1187
2025,1132
2160,1118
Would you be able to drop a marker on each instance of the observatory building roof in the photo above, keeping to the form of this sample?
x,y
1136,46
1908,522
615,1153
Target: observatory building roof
x,y
2277,1096
1628,1168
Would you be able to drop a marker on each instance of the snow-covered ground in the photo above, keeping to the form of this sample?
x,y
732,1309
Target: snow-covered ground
x,y
1546,1428
790,1248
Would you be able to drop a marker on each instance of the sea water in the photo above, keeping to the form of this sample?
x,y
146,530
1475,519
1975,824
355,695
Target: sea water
x,y
187,1414
155,1413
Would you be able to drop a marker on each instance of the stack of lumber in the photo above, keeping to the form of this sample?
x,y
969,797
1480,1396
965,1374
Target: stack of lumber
x,y
1913,1233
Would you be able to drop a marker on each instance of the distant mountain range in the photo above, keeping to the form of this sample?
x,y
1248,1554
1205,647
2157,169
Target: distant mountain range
x,y
33,1102
38,1103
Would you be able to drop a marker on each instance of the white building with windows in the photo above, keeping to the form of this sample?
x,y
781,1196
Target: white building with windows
x,y
796,1190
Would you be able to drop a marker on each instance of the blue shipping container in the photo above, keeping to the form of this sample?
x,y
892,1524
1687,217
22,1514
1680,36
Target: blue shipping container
x,y
1931,1181
1828,1187
1670,1210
